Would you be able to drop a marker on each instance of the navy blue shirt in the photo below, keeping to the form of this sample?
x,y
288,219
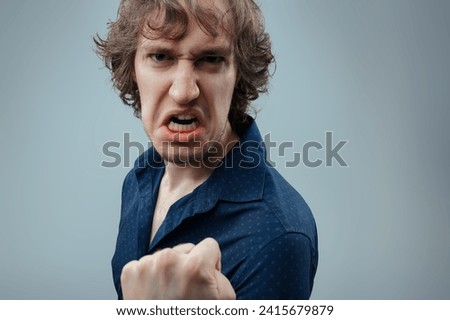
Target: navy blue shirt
x,y
266,232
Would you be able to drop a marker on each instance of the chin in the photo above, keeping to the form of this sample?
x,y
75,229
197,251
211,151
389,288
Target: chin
x,y
184,160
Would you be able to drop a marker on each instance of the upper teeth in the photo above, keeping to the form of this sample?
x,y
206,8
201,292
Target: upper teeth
x,y
185,117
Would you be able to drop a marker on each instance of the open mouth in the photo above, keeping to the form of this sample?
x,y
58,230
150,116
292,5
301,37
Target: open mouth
x,y
183,123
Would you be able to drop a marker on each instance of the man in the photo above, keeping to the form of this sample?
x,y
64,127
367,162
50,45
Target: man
x,y
203,215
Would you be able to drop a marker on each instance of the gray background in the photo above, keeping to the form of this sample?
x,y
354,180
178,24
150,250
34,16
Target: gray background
x,y
375,73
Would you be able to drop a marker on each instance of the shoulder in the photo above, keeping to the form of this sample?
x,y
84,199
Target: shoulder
x,y
283,264
282,269
144,166
287,204
139,180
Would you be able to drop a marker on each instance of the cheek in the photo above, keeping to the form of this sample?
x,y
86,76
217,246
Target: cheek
x,y
231,85
148,98
148,112
227,96
222,91
146,122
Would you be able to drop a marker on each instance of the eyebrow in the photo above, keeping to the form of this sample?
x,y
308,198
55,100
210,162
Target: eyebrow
x,y
219,50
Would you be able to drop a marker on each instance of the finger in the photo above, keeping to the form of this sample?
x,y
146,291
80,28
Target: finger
x,y
184,247
130,268
127,278
209,251
224,287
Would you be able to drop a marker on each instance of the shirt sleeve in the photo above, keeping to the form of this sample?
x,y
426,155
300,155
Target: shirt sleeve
x,y
283,269
125,243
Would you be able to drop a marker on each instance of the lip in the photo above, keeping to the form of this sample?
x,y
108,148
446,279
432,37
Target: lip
x,y
182,135
191,113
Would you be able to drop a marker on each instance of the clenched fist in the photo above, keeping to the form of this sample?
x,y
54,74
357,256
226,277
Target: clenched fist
x,y
186,271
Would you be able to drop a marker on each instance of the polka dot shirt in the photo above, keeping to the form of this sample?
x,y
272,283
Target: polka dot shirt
x,y
266,232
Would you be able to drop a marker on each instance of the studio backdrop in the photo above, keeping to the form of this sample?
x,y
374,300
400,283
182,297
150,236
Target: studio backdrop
x,y
357,114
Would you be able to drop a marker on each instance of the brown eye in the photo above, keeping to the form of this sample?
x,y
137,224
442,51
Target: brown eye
x,y
213,59
160,57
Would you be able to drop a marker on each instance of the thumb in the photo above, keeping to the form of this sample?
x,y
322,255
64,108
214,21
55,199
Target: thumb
x,y
224,288
209,251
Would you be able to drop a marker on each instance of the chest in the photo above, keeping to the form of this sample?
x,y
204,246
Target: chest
x,y
166,198
163,203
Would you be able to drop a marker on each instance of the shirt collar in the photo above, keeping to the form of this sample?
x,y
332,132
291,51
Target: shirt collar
x,y
246,161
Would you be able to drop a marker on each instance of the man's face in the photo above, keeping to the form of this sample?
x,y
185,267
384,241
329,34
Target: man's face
x,y
186,86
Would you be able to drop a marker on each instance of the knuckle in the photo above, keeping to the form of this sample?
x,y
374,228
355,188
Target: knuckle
x,y
144,265
191,263
130,267
195,268
165,258
129,270
212,242
166,255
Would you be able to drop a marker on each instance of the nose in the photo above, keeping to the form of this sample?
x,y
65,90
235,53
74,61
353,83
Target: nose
x,y
184,88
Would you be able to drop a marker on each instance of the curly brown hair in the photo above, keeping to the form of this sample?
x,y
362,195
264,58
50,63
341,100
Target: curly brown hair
x,y
243,20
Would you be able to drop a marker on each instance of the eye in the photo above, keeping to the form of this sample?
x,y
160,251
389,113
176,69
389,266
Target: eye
x,y
212,59
159,57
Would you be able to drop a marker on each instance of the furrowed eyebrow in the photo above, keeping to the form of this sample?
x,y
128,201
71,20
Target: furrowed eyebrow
x,y
219,51
156,48
224,51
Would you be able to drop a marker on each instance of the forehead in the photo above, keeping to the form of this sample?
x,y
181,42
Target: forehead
x,y
173,19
